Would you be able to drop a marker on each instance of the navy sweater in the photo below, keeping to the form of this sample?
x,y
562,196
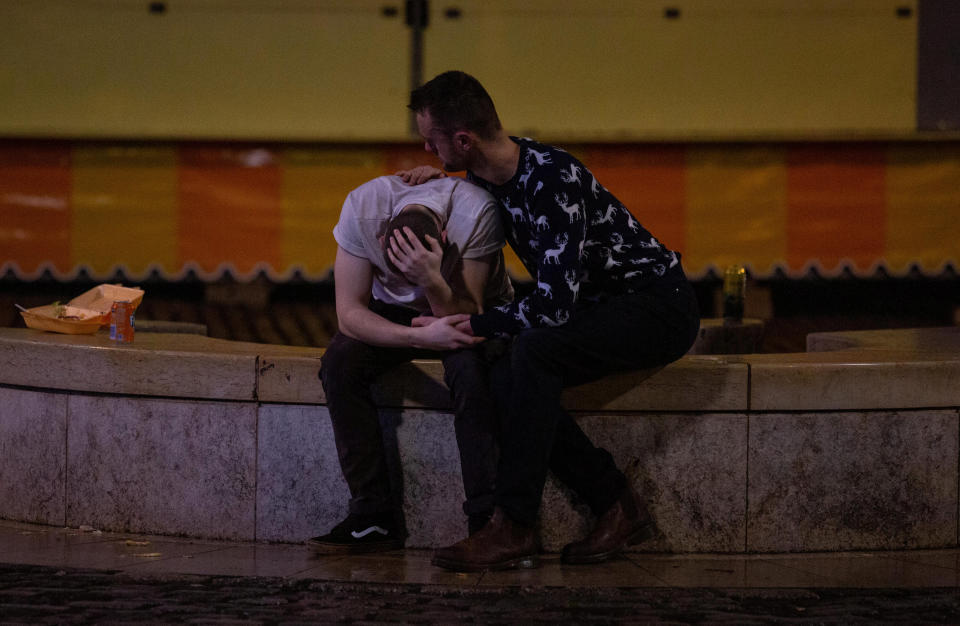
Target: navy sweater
x,y
577,241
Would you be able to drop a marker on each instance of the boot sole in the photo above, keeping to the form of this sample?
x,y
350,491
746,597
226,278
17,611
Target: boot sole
x,y
640,535
524,562
358,548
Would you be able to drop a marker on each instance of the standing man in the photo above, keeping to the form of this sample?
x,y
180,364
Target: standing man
x,y
406,252
609,298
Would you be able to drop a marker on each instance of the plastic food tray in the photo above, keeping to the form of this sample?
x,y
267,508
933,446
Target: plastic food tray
x,y
93,307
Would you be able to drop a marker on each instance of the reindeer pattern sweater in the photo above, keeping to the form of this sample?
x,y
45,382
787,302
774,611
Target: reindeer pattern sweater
x,y
577,241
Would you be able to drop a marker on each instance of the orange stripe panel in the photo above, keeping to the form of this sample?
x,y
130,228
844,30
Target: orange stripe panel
x,y
124,208
835,205
315,183
229,207
736,208
35,205
923,207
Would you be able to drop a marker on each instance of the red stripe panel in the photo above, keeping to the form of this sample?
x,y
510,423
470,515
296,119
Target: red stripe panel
x,y
35,206
650,181
229,206
835,205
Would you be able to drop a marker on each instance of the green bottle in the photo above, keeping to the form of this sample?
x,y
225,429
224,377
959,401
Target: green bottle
x,y
734,292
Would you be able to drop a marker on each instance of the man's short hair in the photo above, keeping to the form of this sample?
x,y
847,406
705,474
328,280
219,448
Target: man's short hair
x,y
420,220
457,101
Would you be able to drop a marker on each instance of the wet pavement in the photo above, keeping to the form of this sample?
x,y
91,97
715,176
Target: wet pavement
x,y
54,575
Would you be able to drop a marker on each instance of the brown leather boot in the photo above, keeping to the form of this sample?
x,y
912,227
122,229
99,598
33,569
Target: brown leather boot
x,y
501,544
625,523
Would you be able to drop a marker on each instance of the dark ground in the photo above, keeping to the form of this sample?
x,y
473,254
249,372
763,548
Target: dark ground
x,y
42,595
301,313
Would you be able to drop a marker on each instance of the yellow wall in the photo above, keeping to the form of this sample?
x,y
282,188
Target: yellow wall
x,y
339,70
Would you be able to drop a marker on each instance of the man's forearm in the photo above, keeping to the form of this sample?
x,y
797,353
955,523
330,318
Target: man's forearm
x,y
445,301
364,325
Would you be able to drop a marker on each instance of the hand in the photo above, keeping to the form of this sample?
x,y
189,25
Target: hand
x,y
420,174
465,327
443,334
423,320
419,265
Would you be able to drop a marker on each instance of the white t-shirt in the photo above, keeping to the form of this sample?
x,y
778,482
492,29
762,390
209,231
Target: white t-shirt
x,y
468,213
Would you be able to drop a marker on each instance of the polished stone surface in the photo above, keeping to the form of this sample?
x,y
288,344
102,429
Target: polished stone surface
x,y
301,492
33,438
694,383
852,379
157,364
844,481
875,418
162,466
290,379
432,486
944,340
690,469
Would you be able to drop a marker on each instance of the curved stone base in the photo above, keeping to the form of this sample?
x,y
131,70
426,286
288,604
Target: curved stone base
x,y
851,449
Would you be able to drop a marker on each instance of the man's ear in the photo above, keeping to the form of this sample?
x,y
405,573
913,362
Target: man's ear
x,y
463,140
443,236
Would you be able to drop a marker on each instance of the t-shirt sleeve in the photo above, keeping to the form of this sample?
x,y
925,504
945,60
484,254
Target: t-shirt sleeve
x,y
487,236
347,230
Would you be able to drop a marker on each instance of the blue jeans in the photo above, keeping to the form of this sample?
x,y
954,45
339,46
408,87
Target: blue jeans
x,y
621,333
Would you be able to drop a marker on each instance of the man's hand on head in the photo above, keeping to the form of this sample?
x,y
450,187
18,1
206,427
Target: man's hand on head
x,y
420,265
420,174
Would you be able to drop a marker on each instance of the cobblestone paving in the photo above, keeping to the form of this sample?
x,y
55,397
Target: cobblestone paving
x,y
41,595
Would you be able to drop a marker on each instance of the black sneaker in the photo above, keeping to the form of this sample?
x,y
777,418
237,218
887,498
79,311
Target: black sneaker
x,y
358,534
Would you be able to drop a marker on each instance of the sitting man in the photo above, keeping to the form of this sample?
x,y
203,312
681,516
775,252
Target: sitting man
x,y
429,250
610,298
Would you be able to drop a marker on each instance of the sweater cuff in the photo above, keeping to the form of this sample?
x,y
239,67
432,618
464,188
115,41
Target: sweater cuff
x,y
481,326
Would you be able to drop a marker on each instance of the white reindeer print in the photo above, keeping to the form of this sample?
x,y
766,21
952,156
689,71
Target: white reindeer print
x,y
632,223
526,176
545,289
595,187
559,320
618,245
543,158
573,176
553,254
572,210
572,283
538,187
515,212
610,264
608,216
522,308
542,223
632,274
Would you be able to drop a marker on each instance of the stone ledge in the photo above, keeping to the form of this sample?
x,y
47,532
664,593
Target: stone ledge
x,y
854,448
862,370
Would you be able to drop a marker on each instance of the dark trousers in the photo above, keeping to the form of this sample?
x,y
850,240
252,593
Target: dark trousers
x,y
349,368
621,333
